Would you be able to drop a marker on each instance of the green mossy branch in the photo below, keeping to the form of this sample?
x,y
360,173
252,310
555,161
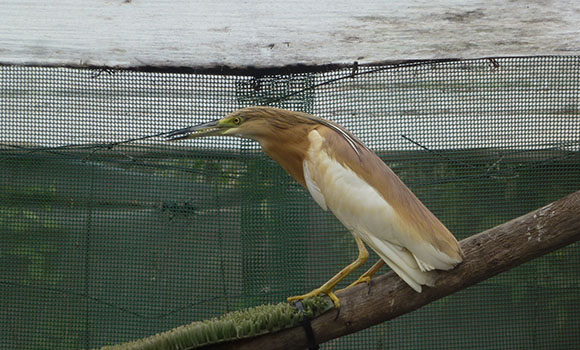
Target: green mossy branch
x,y
231,326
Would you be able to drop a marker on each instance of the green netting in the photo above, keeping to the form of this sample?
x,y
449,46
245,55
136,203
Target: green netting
x,y
101,243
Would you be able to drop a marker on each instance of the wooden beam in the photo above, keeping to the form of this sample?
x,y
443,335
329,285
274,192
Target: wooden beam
x,y
261,33
487,254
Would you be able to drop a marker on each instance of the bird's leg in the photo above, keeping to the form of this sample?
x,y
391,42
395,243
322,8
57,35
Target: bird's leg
x,y
326,288
366,277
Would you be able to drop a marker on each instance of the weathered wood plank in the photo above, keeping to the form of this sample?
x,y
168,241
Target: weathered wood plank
x,y
134,33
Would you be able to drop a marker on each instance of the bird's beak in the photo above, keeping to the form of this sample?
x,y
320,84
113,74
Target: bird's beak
x,y
206,129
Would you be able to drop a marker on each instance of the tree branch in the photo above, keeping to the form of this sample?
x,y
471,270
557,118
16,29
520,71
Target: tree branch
x,y
487,254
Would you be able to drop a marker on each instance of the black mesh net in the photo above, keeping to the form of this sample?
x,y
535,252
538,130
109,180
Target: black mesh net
x,y
104,241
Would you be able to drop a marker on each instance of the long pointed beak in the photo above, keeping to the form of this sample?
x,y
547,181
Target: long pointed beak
x,y
206,129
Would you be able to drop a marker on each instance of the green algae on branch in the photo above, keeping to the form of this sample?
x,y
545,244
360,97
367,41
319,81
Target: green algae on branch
x,y
231,326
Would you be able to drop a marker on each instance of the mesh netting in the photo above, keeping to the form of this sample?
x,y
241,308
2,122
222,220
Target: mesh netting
x,y
103,243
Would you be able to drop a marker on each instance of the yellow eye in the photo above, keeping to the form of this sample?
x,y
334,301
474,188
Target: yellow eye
x,y
237,120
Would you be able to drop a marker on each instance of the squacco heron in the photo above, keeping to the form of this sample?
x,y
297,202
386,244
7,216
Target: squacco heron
x,y
351,181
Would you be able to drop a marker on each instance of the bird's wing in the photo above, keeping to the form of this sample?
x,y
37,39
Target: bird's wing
x,y
368,198
364,212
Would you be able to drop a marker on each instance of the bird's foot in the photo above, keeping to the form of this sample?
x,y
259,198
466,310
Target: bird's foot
x,y
316,292
361,279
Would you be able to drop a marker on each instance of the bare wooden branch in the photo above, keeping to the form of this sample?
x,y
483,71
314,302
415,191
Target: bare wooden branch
x,y
487,254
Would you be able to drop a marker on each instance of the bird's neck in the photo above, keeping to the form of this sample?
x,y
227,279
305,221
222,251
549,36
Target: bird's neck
x,y
289,153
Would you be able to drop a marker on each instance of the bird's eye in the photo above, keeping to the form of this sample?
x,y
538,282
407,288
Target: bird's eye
x,y
237,120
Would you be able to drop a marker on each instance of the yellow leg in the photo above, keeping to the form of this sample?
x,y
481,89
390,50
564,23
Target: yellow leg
x,y
326,288
366,277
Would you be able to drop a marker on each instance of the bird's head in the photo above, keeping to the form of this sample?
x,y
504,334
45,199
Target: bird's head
x,y
256,123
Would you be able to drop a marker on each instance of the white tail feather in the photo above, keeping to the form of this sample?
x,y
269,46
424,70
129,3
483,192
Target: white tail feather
x,y
402,262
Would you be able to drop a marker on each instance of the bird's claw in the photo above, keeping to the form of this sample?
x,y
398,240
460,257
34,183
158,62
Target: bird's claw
x,y
316,292
361,279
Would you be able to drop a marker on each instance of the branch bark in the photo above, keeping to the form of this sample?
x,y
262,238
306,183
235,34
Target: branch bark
x,y
487,254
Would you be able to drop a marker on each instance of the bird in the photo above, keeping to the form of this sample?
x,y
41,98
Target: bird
x,y
344,176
